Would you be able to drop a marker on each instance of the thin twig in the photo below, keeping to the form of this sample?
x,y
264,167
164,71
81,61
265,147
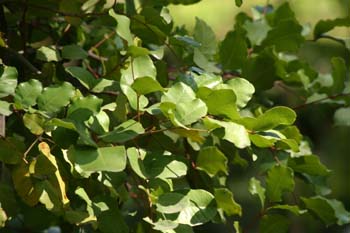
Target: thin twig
x,y
320,100
30,148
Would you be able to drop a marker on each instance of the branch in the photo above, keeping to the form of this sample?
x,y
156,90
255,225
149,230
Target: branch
x,y
8,55
338,40
320,100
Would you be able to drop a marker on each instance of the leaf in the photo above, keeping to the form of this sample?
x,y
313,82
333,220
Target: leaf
x,y
263,70
169,203
183,114
24,185
8,80
239,2
90,103
279,179
324,26
3,218
309,164
330,211
184,2
233,50
322,208
291,208
202,207
342,117
11,150
178,93
59,184
270,119
225,201
88,160
48,54
243,89
54,98
108,220
5,110
201,61
154,165
123,132
123,26
256,30
83,76
73,52
211,160
34,122
146,85
274,223
27,93
225,97
255,188
234,133
339,75
206,37
286,36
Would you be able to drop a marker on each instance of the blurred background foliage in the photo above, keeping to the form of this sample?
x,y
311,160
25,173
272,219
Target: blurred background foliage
x,y
330,142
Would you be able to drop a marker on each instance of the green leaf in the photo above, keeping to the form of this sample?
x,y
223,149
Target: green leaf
x,y
5,110
153,165
90,103
243,89
233,50
55,179
184,113
286,36
263,70
54,98
256,30
291,208
202,207
178,93
279,179
123,132
86,159
270,119
234,133
255,188
324,26
211,160
73,52
225,201
47,54
239,2
309,164
330,211
184,2
342,117
262,141
123,26
11,150
83,76
108,220
225,97
339,75
321,207
169,203
206,37
34,122
8,80
3,218
274,223
203,62
27,93
146,85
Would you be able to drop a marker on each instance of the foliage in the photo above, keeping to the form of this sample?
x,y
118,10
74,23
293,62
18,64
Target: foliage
x,y
114,117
